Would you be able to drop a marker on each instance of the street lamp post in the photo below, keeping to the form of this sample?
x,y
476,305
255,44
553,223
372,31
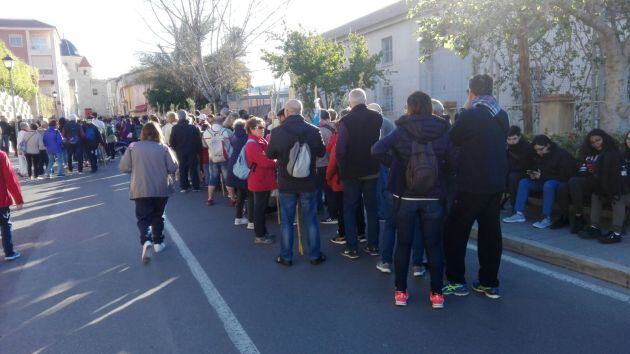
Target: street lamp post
x,y
8,63
54,94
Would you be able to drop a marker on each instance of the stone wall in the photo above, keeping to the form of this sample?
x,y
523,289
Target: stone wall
x,y
6,107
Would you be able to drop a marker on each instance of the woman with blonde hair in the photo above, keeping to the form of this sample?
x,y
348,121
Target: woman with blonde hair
x,y
150,163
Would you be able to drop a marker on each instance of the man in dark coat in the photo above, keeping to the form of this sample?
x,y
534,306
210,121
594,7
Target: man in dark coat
x,y
292,189
359,130
481,133
186,141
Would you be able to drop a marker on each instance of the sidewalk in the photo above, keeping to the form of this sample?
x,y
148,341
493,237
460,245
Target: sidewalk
x,y
559,247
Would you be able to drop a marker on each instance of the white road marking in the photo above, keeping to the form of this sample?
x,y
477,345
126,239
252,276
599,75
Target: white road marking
x,y
563,277
233,327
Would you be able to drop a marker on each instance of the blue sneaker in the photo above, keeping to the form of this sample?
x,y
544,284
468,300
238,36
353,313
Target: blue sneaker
x,y
491,292
456,289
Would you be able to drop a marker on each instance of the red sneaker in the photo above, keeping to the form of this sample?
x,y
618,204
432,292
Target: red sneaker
x,y
437,300
401,298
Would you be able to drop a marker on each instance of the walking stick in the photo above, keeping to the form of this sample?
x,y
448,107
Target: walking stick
x,y
278,209
222,184
297,218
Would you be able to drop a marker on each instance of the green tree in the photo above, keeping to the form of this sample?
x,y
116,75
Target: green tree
x,y
25,78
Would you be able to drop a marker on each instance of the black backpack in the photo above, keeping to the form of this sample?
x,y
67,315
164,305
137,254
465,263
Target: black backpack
x,y
422,168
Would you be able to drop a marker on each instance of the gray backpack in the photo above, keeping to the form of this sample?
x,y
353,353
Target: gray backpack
x,y
299,165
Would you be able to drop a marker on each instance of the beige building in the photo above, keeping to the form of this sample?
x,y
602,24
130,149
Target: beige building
x,y
125,95
88,94
37,44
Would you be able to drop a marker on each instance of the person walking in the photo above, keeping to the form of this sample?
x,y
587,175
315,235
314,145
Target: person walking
x,y
73,134
6,133
262,177
238,141
30,142
327,130
303,190
150,163
43,153
186,141
110,139
54,148
480,132
419,146
216,139
91,142
359,130
10,194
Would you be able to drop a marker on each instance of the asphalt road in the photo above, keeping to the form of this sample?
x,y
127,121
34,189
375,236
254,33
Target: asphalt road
x,y
81,288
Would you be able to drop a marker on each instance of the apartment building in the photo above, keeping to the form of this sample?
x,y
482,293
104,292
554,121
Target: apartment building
x,y
37,44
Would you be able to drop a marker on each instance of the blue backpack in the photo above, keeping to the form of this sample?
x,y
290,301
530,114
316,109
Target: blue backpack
x,y
90,134
240,169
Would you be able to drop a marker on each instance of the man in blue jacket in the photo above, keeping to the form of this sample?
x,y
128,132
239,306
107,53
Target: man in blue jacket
x,y
480,133
292,189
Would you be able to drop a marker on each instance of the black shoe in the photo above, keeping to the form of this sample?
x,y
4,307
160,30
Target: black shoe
x,y
590,233
321,259
361,238
266,240
284,262
610,237
371,250
352,254
578,224
561,222
339,240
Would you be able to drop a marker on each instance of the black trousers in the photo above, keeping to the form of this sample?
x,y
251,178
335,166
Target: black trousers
x,y
188,165
32,164
43,162
261,199
75,151
250,206
241,197
360,219
111,150
91,155
512,183
574,192
150,216
332,205
485,210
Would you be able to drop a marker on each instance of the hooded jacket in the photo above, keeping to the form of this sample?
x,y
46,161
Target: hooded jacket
x,y
53,140
262,175
520,156
237,141
394,151
282,140
185,139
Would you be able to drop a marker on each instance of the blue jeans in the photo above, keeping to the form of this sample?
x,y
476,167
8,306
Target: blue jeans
x,y
150,216
217,168
51,163
381,192
430,214
4,143
308,205
527,185
5,228
388,239
352,191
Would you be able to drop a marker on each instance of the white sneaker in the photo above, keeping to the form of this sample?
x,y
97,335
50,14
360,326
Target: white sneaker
x,y
515,218
543,224
418,271
146,252
241,221
250,226
159,247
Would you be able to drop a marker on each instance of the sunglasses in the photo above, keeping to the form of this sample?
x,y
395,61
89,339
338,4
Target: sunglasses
x,y
260,128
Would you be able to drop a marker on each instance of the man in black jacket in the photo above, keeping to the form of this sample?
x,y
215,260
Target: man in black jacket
x,y
292,189
359,170
186,141
480,132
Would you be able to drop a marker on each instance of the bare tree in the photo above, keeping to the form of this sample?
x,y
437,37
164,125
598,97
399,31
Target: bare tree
x,y
219,31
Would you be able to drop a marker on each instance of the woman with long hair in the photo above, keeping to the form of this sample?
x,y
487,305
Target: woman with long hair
x,y
150,162
612,185
596,146
238,141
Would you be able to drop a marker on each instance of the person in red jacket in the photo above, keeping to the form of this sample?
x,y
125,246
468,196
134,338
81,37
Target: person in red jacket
x,y
262,176
9,194
334,182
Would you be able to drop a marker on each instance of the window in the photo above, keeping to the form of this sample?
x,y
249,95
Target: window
x,y
15,41
387,50
85,72
94,92
39,43
387,98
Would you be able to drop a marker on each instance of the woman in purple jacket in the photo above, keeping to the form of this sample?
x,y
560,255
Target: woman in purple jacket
x,y
54,146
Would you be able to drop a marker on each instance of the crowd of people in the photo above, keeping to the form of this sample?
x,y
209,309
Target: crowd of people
x,y
426,179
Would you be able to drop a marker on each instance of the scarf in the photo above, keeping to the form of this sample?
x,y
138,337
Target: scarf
x,y
488,102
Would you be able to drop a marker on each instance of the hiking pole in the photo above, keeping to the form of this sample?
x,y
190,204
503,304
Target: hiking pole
x,y
222,184
278,209
297,219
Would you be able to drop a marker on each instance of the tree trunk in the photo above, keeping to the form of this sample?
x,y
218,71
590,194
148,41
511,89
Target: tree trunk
x,y
616,108
525,82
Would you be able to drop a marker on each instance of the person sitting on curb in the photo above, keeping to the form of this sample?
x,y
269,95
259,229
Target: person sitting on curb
x,y
612,185
551,166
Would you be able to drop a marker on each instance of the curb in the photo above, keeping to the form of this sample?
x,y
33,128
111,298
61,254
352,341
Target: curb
x,y
594,267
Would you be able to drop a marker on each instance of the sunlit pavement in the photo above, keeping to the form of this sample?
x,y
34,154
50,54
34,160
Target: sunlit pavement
x,y
80,287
